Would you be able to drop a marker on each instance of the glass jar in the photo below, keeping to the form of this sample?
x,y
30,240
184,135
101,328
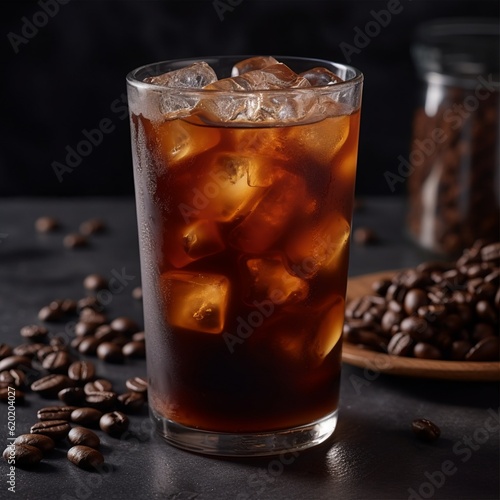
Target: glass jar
x,y
454,183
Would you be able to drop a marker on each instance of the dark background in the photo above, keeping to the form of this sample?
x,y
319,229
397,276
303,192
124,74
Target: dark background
x,y
69,75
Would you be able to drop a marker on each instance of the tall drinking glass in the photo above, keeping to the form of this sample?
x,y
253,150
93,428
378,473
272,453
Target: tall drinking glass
x,y
244,190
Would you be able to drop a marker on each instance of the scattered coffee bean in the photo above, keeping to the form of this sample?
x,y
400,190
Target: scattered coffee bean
x,y
43,443
365,236
99,385
92,226
83,436
139,337
105,333
68,306
46,224
401,344
95,282
75,240
13,378
131,402
71,396
5,350
104,400
124,325
57,362
58,342
75,343
89,303
50,385
81,371
86,416
137,293
137,384
134,349
85,457
34,332
114,423
88,315
55,429
24,455
43,352
110,352
49,314
14,361
85,328
6,395
425,430
88,345
55,413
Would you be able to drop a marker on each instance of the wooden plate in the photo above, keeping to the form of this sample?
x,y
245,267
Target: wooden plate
x,y
410,367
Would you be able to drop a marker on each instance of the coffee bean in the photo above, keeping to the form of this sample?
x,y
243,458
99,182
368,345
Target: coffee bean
x,y
485,311
134,349
417,328
55,413
58,342
75,343
43,443
6,395
401,344
81,371
86,328
89,303
92,226
487,349
43,352
57,362
415,298
13,377
390,319
365,236
49,314
103,400
88,345
105,333
14,362
85,457
50,385
75,240
82,436
491,252
88,315
46,224
95,282
137,293
137,384
71,395
99,385
114,423
424,350
131,402
55,429
124,325
68,306
139,337
425,430
459,349
23,454
110,352
482,331
86,416
5,350
34,332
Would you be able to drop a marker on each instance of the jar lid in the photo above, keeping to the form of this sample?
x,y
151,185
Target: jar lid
x,y
460,47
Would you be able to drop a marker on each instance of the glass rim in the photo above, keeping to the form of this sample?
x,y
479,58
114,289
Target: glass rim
x,y
357,79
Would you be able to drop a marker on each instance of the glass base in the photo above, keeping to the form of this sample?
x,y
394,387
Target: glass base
x,y
252,444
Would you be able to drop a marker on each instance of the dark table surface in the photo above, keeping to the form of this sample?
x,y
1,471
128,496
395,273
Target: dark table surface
x,y
372,455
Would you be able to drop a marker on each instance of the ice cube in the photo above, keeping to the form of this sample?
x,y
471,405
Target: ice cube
x,y
320,248
267,278
321,141
175,104
271,216
195,241
195,76
319,77
252,64
178,140
224,192
266,142
195,301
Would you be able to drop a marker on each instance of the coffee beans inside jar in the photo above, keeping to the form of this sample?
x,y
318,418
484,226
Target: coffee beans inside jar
x,y
436,311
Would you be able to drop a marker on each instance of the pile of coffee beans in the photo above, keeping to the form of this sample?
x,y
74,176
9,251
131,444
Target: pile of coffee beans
x,y
437,311
54,367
